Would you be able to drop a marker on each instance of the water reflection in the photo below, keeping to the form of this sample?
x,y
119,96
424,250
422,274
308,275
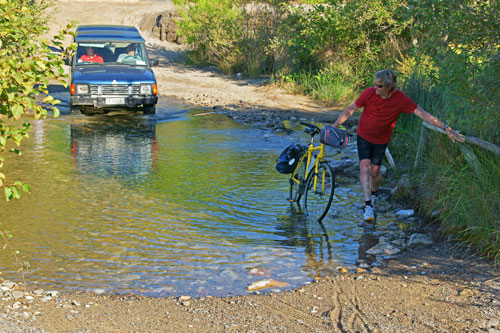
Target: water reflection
x,y
122,147
311,235
185,204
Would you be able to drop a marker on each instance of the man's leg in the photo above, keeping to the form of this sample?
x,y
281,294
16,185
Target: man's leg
x,y
376,162
365,166
376,178
370,159
370,178
365,177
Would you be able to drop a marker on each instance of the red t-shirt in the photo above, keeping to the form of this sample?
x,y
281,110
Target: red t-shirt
x,y
94,58
380,115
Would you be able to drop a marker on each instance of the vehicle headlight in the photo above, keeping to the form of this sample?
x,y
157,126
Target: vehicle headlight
x,y
146,89
82,89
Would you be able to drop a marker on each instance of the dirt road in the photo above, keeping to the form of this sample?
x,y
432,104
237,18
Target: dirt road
x,y
436,288
203,86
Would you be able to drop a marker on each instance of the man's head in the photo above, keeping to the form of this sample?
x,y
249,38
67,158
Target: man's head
x,y
89,50
131,49
385,79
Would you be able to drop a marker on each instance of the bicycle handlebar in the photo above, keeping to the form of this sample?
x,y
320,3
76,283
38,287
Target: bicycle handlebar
x,y
311,129
315,128
309,125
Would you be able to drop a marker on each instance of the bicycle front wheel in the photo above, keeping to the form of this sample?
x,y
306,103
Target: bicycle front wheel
x,y
297,189
319,192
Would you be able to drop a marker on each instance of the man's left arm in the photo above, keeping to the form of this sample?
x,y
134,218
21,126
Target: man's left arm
x,y
429,118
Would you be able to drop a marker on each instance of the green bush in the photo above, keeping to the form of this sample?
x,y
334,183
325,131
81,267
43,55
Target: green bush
x,y
234,36
460,40
349,41
213,30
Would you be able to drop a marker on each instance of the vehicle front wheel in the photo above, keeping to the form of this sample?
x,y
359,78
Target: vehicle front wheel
x,y
149,109
90,111
298,181
74,108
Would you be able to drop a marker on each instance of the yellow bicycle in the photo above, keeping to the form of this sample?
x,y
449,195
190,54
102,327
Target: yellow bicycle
x,y
313,177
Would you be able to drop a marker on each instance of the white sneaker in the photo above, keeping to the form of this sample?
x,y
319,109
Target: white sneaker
x,y
374,198
369,213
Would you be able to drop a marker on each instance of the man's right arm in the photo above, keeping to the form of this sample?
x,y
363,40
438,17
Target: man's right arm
x,y
345,114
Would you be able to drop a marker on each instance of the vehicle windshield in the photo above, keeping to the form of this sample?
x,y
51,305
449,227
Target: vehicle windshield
x,y
111,53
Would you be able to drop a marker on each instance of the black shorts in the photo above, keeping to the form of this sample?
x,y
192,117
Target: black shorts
x,y
373,152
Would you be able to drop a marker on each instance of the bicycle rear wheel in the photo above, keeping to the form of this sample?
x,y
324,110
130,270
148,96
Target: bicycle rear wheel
x,y
318,199
297,189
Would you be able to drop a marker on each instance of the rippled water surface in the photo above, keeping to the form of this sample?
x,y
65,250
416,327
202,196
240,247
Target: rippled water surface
x,y
186,202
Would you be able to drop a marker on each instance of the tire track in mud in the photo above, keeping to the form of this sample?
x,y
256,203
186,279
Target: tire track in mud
x,y
289,312
347,310
344,313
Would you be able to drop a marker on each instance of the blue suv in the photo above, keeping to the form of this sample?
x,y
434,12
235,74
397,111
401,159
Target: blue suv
x,y
111,70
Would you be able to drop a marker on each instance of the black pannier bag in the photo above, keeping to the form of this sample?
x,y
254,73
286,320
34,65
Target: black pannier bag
x,y
334,137
288,159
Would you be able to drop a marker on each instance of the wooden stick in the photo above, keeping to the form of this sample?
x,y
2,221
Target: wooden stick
x,y
421,143
478,142
498,277
389,158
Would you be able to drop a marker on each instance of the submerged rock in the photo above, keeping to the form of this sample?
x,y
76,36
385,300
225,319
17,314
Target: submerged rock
x,y
258,272
267,283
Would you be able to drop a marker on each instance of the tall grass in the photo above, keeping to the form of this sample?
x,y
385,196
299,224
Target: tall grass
x,y
463,190
323,86
467,198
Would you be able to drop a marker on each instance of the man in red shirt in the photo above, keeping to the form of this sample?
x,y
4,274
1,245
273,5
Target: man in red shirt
x,y
90,56
382,104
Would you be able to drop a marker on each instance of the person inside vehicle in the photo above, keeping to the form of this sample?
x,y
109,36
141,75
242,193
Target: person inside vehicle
x,y
382,104
130,55
91,56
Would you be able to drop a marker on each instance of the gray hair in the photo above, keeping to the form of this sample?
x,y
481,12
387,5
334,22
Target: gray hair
x,y
387,77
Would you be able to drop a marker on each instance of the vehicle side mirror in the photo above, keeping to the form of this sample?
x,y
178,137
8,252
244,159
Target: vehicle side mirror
x,y
68,61
155,62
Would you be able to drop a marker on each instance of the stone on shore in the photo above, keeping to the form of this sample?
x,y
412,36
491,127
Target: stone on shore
x,y
419,239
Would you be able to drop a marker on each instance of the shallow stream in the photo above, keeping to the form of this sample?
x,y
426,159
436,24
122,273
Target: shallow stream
x,y
184,202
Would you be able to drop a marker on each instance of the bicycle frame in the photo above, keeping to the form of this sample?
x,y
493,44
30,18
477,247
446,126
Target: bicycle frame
x,y
313,178
309,165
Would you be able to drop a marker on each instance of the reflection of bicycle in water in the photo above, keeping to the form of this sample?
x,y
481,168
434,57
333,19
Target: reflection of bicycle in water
x,y
313,177
310,235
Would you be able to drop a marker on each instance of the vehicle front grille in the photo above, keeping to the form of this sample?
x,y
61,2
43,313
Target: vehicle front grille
x,y
114,89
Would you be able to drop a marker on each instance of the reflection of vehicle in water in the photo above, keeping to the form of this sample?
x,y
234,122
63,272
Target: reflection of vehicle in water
x,y
124,148
111,69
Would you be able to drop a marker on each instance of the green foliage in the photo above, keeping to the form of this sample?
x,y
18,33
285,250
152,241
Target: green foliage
x,y
232,35
457,186
367,35
27,65
213,29
326,85
260,45
467,198
460,40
